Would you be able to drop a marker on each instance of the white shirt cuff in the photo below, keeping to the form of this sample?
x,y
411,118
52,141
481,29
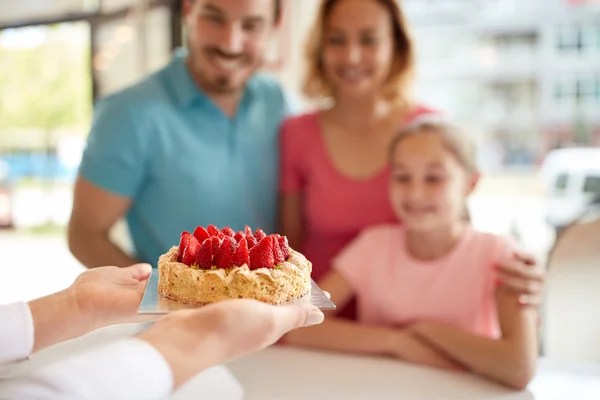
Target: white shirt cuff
x,y
16,332
128,369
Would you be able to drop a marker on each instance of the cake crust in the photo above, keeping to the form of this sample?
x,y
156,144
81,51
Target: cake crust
x,y
282,284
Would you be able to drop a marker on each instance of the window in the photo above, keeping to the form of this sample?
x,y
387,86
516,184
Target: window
x,y
570,39
578,39
561,183
592,185
578,90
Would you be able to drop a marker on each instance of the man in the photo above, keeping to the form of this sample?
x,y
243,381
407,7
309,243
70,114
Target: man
x,y
148,366
194,144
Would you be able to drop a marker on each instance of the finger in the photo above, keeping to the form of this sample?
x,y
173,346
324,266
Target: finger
x,y
291,317
520,285
520,270
140,272
527,258
534,301
327,294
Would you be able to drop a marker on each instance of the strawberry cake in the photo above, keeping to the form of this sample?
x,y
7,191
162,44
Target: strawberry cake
x,y
216,264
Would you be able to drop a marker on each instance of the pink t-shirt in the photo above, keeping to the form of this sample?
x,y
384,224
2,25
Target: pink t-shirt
x,y
394,289
336,207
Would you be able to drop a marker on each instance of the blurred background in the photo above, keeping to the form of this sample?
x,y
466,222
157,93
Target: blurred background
x,y
523,75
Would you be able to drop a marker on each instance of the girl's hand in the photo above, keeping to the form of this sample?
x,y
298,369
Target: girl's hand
x,y
408,347
523,275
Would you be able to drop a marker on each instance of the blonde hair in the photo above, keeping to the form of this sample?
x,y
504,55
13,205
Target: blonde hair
x,y
397,85
454,139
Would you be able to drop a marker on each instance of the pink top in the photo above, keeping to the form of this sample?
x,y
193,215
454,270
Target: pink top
x,y
393,288
336,207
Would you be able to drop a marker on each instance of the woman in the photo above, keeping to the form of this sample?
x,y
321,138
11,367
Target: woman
x,y
335,175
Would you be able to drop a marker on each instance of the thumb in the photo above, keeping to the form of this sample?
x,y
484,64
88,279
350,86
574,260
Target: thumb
x,y
140,272
296,316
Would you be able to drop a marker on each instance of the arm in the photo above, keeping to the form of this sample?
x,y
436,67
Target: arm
x,y
290,218
29,327
337,334
97,298
510,360
85,375
349,336
94,213
113,169
175,349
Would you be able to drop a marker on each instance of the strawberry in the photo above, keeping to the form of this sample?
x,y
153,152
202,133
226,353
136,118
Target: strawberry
x,y
284,245
212,230
223,256
201,234
241,256
278,256
204,254
248,231
239,236
189,252
216,243
251,241
182,243
227,231
259,234
261,255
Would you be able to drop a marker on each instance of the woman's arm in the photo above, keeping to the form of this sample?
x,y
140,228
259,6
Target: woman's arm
x,y
291,222
510,360
349,336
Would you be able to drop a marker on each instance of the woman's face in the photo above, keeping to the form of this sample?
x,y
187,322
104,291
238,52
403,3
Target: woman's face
x,y
358,47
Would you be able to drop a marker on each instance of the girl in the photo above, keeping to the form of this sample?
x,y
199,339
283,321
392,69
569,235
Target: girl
x,y
427,289
334,179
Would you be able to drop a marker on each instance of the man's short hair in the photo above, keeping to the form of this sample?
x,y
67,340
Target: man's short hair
x,y
277,9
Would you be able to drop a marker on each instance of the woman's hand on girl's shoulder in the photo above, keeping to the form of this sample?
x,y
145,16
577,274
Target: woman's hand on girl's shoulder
x,y
522,274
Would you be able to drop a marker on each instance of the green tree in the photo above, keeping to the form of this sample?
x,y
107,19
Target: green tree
x,y
46,88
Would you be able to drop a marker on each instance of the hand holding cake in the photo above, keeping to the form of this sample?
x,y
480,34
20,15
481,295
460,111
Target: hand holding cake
x,y
194,340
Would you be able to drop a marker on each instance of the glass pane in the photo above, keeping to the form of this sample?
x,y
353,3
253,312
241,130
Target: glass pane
x,y
130,48
561,182
592,185
22,11
45,106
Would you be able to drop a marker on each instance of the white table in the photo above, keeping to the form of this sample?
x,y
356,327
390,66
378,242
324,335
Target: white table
x,y
281,373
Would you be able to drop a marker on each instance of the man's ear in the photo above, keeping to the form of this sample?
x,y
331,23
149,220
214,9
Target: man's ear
x,y
279,16
186,7
472,184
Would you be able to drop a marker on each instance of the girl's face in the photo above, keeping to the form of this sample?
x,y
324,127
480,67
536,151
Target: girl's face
x,y
429,186
358,47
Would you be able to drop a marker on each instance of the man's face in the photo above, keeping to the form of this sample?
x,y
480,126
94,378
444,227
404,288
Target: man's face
x,y
227,40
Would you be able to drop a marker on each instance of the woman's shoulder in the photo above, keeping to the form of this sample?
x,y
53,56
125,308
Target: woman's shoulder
x,y
305,122
420,110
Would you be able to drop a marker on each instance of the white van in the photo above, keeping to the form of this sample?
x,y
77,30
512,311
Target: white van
x,y
572,181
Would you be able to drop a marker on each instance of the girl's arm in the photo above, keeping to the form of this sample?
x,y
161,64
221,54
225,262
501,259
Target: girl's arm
x,y
349,336
291,223
510,360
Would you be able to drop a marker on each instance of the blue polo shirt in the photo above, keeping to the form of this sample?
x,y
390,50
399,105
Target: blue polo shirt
x,y
165,145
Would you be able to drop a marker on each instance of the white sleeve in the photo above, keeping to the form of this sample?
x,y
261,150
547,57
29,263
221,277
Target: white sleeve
x,y
130,369
16,332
